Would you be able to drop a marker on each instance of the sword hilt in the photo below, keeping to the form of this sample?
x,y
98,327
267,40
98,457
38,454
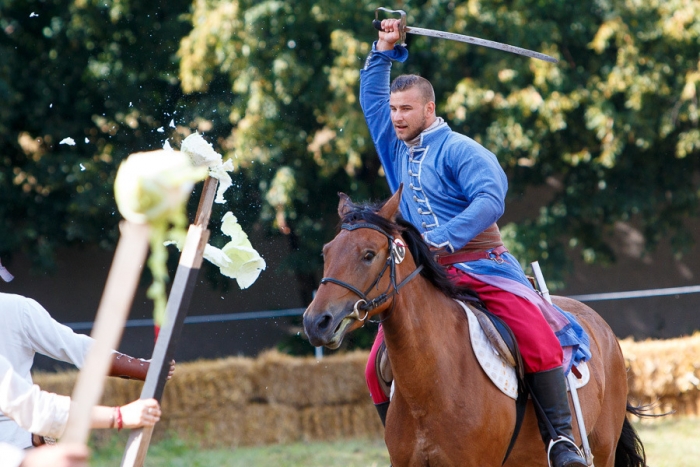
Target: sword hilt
x,y
402,27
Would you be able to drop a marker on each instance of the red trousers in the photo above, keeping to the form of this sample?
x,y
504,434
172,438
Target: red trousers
x,y
539,346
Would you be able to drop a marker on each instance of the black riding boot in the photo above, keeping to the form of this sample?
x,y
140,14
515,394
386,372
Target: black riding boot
x,y
382,409
549,389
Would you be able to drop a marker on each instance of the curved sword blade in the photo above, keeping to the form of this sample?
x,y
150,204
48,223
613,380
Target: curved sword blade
x,y
483,42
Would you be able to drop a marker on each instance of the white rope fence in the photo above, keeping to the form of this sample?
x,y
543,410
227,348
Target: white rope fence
x,y
637,294
270,314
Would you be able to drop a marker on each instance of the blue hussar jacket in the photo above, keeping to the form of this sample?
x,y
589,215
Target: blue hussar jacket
x,y
454,188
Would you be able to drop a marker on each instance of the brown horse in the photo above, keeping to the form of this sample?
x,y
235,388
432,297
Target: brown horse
x,y
445,411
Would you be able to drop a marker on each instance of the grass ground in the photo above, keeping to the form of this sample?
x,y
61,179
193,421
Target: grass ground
x,y
672,443
176,453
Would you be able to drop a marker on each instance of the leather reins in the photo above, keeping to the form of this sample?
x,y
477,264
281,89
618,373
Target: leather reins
x,y
396,255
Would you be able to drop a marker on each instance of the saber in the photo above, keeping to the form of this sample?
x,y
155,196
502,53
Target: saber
x,y
403,29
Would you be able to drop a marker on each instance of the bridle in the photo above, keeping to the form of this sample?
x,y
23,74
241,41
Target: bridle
x,y
397,252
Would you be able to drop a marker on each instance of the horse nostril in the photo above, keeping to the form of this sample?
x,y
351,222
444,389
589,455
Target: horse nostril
x,y
324,321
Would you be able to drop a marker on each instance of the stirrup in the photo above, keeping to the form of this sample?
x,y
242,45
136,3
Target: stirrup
x,y
563,439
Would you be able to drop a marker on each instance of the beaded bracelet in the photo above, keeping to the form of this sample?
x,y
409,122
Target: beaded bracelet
x,y
118,414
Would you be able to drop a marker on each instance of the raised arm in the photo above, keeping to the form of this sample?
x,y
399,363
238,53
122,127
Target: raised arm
x,y
375,80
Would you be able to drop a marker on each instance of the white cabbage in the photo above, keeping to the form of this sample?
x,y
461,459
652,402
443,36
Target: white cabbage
x,y
154,186
202,153
237,259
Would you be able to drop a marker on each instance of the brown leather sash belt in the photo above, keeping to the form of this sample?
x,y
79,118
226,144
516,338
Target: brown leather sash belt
x,y
466,256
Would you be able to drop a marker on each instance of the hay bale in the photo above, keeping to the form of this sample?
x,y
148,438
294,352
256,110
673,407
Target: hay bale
x,y
206,384
269,423
119,391
665,373
277,398
328,423
250,425
306,381
60,383
668,367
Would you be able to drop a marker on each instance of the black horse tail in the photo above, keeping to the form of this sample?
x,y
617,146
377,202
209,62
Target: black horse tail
x,y
630,450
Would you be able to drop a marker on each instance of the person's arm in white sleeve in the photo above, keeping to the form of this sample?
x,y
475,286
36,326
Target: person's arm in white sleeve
x,y
34,410
51,338
46,414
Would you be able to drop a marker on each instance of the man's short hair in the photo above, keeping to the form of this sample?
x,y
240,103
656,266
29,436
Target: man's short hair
x,y
406,82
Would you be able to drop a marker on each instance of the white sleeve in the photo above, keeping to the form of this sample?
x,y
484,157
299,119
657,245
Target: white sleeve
x,y
36,411
11,456
51,338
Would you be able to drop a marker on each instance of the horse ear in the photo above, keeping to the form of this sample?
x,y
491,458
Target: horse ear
x,y
345,204
391,207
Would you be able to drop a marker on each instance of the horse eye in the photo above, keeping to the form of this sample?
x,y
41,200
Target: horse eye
x,y
369,256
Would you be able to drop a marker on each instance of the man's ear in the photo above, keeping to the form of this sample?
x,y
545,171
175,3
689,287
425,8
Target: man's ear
x,y
430,108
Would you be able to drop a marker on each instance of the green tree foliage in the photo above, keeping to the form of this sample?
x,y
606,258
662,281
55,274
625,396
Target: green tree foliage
x,y
297,127
612,128
103,73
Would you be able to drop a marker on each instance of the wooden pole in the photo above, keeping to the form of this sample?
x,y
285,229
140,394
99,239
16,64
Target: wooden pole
x,y
175,313
113,310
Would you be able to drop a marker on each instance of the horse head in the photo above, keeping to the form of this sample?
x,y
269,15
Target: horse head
x,y
360,271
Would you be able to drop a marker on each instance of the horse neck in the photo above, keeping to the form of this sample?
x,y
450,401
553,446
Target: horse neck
x,y
425,332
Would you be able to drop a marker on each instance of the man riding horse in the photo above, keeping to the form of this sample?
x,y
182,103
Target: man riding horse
x,y
456,193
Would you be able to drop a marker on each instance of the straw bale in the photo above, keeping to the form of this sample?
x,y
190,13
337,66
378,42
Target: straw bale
x,y
209,384
254,424
340,421
277,398
119,391
204,427
60,383
665,368
270,423
306,381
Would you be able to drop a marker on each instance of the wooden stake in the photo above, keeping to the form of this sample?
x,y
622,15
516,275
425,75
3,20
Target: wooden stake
x,y
113,310
175,313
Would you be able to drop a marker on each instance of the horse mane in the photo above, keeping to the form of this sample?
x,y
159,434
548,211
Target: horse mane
x,y
432,271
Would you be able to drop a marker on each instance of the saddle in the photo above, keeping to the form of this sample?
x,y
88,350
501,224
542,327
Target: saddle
x,y
501,339
496,331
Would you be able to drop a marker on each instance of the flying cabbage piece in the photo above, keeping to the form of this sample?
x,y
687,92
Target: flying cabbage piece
x,y
237,259
153,188
202,154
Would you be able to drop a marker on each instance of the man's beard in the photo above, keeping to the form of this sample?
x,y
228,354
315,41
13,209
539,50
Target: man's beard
x,y
413,135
